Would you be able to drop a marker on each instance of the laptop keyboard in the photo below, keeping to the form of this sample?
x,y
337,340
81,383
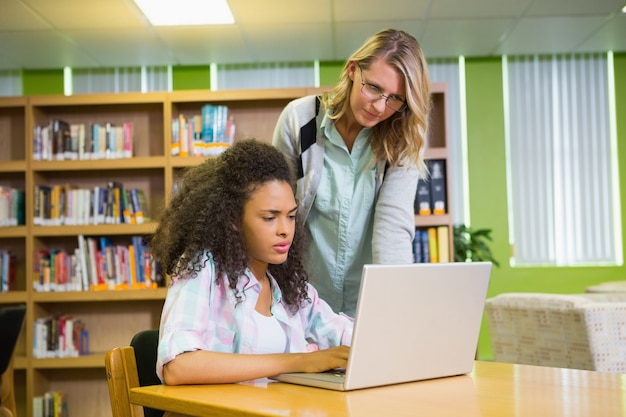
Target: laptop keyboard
x,y
339,372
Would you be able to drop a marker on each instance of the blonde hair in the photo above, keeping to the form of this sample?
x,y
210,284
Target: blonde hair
x,y
402,137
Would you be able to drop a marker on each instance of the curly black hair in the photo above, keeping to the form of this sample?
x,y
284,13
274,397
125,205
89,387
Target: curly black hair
x,y
205,214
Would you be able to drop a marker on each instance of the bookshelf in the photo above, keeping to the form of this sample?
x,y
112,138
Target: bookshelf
x,y
113,317
437,149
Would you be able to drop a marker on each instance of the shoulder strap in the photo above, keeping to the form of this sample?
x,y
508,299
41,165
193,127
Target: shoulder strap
x,y
308,134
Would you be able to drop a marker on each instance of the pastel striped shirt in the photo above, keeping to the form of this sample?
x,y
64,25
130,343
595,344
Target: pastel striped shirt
x,y
202,313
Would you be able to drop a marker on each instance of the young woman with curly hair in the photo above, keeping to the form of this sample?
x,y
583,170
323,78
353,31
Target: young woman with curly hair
x,y
359,150
239,306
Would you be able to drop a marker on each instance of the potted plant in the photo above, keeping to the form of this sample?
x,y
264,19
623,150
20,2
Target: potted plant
x,y
471,245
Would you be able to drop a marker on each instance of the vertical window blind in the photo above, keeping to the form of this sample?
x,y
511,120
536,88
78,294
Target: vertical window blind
x,y
265,75
562,170
120,79
10,83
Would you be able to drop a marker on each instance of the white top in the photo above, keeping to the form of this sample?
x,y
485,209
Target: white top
x,y
272,337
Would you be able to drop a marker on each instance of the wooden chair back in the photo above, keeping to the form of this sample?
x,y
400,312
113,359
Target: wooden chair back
x,y
11,322
7,394
121,372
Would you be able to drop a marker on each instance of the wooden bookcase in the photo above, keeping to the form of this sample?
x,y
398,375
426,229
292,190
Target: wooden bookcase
x,y
113,317
437,148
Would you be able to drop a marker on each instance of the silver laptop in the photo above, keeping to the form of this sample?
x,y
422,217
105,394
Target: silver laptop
x,y
413,322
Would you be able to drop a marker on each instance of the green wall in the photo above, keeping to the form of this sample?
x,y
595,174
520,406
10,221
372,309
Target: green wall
x,y
488,190
193,77
330,72
47,81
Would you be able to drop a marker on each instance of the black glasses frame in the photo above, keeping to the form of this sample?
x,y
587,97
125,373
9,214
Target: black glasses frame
x,y
373,93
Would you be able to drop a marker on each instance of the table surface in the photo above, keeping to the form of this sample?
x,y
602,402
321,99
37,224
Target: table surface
x,y
491,389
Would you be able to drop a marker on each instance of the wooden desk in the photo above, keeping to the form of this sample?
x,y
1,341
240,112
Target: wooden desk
x,y
490,390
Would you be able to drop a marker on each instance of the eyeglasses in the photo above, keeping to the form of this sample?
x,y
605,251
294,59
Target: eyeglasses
x,y
373,92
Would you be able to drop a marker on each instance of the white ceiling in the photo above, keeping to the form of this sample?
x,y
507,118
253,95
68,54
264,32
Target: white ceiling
x,y
109,33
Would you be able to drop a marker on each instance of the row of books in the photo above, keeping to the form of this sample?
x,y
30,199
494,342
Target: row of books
x,y
8,266
97,264
61,141
430,197
431,244
60,336
11,206
56,205
51,404
204,134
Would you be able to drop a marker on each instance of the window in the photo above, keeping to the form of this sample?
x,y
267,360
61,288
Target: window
x,y
10,83
562,166
265,75
120,79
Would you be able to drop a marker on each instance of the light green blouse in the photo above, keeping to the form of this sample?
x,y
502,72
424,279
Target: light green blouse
x,y
341,220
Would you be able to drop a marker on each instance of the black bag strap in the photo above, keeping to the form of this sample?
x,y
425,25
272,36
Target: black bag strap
x,y
308,134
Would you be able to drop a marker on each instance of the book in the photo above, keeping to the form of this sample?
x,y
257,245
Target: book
x,y
425,246
78,271
89,142
95,141
198,143
208,115
433,247
138,252
62,139
110,140
92,256
108,261
114,203
422,204
221,118
417,247
143,206
70,206
56,206
99,204
20,203
41,207
438,186
101,149
74,152
121,264
183,138
80,132
132,266
119,141
127,211
175,145
8,265
443,243
128,140
84,262
140,206
37,143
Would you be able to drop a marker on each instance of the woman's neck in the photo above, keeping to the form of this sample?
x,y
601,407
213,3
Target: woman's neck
x,y
348,128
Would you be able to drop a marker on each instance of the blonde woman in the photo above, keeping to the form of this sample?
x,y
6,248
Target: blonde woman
x,y
358,151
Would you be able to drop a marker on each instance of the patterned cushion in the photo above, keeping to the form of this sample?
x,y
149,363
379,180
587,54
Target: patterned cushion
x,y
613,286
584,331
